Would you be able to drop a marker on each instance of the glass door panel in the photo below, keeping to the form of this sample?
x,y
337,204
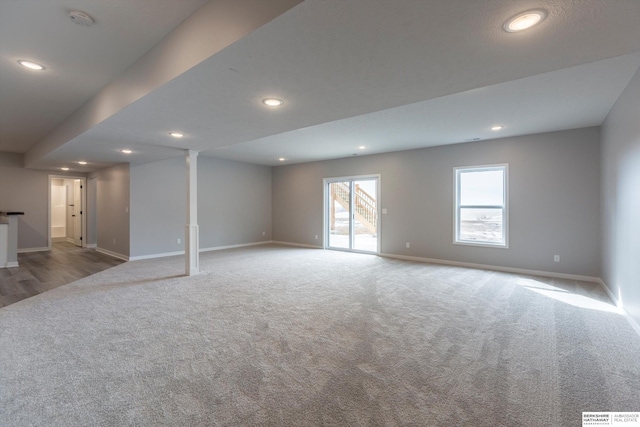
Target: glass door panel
x,y
340,215
365,218
352,220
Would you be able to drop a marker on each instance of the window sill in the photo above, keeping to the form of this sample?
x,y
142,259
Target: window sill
x,y
483,244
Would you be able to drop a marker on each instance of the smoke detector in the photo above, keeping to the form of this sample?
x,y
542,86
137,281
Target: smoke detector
x,y
81,18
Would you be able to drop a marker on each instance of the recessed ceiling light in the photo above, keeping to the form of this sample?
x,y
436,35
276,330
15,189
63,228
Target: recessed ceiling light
x,y
282,159
82,162
64,169
497,127
31,65
525,20
126,151
362,147
272,102
176,134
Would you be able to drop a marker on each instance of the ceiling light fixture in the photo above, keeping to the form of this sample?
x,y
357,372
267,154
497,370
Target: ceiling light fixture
x,y
272,102
497,127
31,65
126,151
82,162
176,134
525,20
362,147
64,169
282,159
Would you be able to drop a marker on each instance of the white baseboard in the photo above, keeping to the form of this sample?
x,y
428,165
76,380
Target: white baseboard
x,y
27,250
213,248
11,264
91,245
113,254
241,245
634,324
496,268
152,256
300,245
58,239
609,292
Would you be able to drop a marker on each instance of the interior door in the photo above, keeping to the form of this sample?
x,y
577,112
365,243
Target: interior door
x,y
352,214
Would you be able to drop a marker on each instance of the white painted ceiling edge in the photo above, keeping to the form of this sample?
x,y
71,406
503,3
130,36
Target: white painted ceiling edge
x,y
361,68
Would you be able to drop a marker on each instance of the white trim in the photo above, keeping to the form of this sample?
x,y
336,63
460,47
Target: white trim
x,y
12,264
326,238
214,248
152,256
240,245
616,301
27,250
301,245
609,292
631,320
496,268
505,208
113,254
91,245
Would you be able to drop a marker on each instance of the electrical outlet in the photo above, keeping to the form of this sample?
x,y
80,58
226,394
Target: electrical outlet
x,y
114,241
264,233
316,237
126,209
408,245
179,240
556,258
384,211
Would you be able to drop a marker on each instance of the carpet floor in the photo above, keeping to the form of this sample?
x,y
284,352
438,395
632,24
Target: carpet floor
x,y
280,336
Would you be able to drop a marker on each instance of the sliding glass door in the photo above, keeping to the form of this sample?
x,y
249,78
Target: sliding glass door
x,y
352,217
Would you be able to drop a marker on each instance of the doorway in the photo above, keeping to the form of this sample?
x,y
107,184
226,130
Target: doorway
x,y
352,214
67,206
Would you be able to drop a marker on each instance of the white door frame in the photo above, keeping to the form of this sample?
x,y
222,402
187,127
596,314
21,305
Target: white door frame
x,y
325,210
83,209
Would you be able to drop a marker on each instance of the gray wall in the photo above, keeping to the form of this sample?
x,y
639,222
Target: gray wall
x,y
25,190
621,199
112,204
554,205
234,204
158,212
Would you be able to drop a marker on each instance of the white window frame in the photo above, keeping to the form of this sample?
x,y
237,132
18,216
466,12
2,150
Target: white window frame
x,y
457,171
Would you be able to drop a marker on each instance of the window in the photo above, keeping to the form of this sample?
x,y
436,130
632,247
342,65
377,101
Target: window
x,y
481,205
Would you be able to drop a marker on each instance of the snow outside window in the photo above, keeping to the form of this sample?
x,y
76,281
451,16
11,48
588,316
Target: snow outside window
x,y
481,205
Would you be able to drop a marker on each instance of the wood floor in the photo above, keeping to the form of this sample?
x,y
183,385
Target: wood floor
x,y
41,271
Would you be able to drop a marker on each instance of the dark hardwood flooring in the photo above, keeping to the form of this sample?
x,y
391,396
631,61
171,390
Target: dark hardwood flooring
x,y
41,271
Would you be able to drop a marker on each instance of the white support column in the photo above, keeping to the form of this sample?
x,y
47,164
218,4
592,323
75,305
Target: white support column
x,y
192,244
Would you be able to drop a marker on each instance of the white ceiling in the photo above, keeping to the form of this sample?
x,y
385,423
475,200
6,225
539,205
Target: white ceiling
x,y
79,60
387,74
